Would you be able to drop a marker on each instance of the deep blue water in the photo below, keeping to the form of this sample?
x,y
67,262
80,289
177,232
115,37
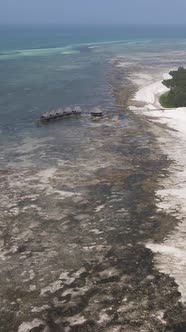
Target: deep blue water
x,y
26,37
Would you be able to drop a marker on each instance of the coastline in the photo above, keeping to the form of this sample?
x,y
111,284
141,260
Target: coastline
x,y
150,94
170,256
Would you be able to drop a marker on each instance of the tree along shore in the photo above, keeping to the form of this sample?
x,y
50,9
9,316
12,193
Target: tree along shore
x,y
176,97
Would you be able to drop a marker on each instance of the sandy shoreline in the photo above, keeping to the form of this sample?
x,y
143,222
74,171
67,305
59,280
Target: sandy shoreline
x,y
170,255
150,94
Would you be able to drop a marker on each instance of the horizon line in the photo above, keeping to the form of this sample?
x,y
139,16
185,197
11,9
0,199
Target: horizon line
x,y
92,24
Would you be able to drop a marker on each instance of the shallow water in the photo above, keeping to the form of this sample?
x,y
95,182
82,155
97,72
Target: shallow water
x,y
77,196
72,251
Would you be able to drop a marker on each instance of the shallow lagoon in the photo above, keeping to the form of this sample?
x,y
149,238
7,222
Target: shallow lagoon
x,y
77,203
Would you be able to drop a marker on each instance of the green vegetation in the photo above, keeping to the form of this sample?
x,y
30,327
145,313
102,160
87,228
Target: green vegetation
x,y
176,97
165,102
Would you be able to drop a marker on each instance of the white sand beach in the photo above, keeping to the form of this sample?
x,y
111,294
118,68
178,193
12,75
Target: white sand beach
x,y
150,94
170,255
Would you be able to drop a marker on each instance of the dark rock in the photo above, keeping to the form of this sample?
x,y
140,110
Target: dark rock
x,y
179,327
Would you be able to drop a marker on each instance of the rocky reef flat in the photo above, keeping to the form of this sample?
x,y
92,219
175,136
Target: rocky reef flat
x,y
78,207
73,255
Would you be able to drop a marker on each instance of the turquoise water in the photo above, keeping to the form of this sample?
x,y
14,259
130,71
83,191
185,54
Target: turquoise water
x,y
18,41
26,37
45,67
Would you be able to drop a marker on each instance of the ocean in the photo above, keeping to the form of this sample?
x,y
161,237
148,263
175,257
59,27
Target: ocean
x,y
56,66
45,67
78,196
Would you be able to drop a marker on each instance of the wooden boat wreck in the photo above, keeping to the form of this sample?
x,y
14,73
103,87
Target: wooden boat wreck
x,y
60,114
